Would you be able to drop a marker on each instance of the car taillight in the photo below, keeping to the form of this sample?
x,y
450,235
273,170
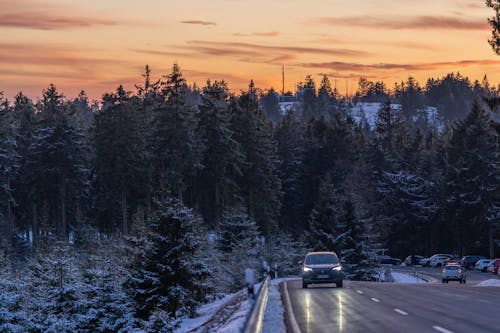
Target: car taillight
x,y
443,271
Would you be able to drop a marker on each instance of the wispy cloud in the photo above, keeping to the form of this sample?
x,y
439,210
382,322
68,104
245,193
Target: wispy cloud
x,y
244,48
45,21
399,23
259,34
356,67
199,22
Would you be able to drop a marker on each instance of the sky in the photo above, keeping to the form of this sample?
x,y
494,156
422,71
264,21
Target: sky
x,y
96,45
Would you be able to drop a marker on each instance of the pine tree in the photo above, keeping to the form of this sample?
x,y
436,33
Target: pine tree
x,y
472,179
222,158
119,161
9,166
259,181
241,245
289,137
495,25
165,274
56,158
176,148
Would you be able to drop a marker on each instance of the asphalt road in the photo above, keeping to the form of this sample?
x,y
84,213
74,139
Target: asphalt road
x,y
390,307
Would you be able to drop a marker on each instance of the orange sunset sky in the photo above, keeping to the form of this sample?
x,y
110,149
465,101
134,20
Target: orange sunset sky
x,y
96,45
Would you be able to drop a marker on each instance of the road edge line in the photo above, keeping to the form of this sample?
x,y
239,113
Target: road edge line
x,y
290,318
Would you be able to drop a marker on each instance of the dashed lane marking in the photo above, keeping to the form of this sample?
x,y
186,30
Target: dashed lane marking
x,y
442,330
375,300
359,291
401,312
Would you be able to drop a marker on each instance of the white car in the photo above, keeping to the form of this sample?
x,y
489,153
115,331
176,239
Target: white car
x,y
437,260
482,264
489,268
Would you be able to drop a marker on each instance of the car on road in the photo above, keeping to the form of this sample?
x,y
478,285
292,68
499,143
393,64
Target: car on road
x,y
468,262
322,267
454,260
482,264
437,260
453,272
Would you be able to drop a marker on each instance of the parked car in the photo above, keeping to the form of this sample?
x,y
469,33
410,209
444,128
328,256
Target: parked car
x,y
489,268
437,260
453,272
482,264
413,259
388,260
496,265
322,267
453,260
468,262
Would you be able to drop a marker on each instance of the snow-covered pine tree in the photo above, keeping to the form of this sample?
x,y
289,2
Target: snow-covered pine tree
x,y
241,245
166,274
355,243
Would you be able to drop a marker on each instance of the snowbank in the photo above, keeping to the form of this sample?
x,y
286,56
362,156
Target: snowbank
x,y
489,283
274,318
406,278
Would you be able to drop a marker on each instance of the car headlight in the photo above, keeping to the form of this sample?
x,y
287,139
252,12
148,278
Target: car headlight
x,y
306,269
338,268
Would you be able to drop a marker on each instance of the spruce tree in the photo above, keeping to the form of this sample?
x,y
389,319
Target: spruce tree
x,y
165,273
259,181
222,158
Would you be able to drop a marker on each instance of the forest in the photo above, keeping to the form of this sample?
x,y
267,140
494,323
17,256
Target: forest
x,y
132,210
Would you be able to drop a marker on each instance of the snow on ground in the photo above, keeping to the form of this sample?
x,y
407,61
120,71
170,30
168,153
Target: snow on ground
x,y
489,283
205,313
406,278
370,112
236,322
274,317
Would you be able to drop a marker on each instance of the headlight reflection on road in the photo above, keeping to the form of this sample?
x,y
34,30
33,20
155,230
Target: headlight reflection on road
x,y
308,312
341,313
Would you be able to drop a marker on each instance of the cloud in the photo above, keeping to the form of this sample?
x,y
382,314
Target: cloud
x,y
62,58
44,21
399,23
233,48
259,34
199,22
356,67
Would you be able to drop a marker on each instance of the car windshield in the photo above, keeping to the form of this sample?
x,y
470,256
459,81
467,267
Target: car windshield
x,y
321,258
451,268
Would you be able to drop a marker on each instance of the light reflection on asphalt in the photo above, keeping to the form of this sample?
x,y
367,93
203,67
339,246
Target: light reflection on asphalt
x,y
308,312
341,313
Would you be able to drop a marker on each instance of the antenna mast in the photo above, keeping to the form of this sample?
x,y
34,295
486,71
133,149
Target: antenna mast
x,y
282,80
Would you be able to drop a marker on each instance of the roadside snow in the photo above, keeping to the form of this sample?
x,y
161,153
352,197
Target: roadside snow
x,y
406,278
489,283
205,312
274,317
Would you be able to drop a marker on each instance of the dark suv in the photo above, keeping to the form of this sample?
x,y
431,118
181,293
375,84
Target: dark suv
x,y
322,267
468,262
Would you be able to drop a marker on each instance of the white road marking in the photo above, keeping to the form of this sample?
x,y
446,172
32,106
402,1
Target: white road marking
x,y
375,300
442,330
401,312
359,291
